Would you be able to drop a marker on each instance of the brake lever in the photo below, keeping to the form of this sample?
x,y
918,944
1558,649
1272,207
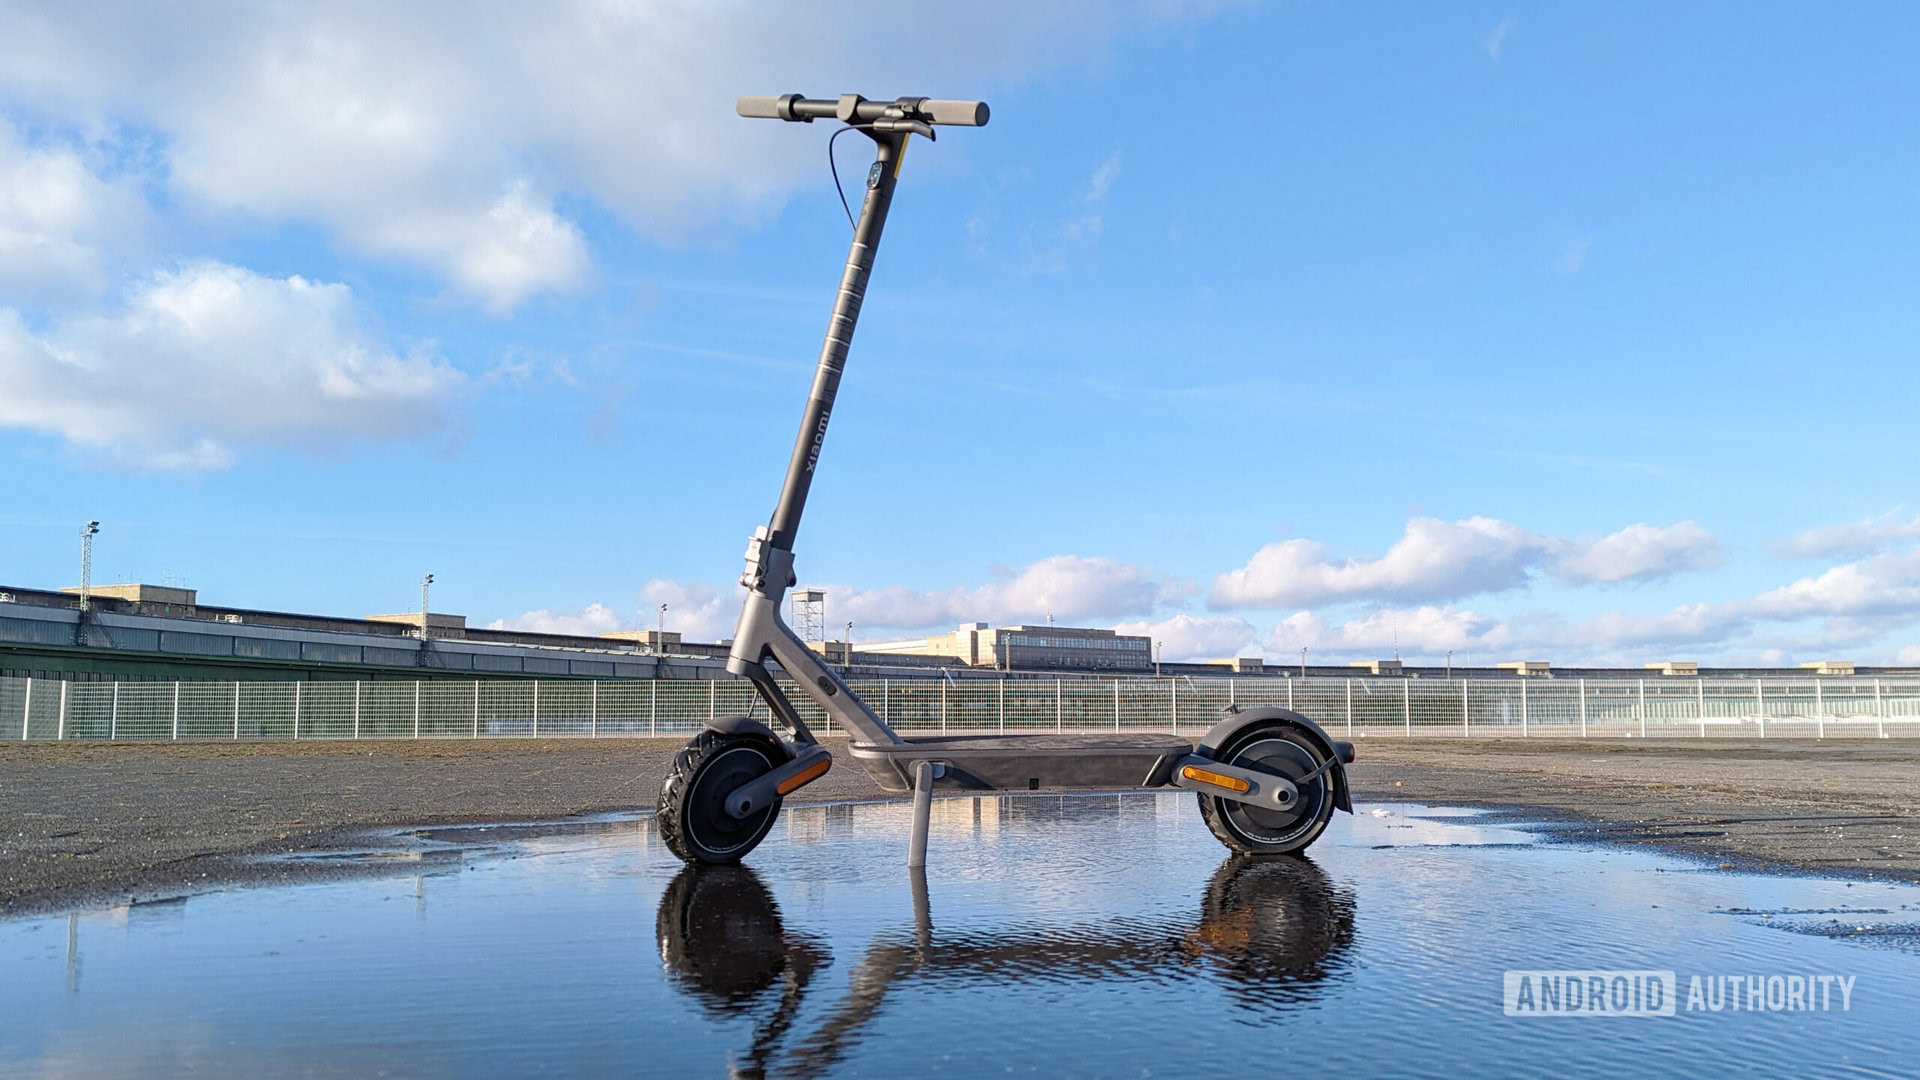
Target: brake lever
x,y
916,127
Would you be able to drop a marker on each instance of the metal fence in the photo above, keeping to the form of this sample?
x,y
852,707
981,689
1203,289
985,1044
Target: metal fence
x,y
47,709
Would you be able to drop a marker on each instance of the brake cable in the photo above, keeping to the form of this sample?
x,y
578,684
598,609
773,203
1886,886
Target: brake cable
x,y
835,169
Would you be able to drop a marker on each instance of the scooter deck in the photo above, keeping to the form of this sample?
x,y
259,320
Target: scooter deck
x,y
1028,762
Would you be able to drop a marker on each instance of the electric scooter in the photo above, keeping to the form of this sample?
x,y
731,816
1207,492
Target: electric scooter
x,y
1267,779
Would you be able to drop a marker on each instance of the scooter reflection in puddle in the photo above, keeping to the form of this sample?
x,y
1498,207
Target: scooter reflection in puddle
x,y
1271,932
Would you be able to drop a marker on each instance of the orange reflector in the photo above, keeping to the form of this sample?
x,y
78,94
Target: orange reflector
x,y
1208,776
805,776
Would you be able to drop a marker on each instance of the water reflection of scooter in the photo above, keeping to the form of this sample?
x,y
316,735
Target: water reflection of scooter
x,y
1271,931
722,942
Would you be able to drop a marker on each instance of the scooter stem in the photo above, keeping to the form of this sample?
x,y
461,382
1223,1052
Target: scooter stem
x,y
833,352
761,634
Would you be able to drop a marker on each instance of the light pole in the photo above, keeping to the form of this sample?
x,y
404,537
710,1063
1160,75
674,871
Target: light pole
x,y
1303,661
1449,665
425,584
660,628
1157,646
87,533
848,659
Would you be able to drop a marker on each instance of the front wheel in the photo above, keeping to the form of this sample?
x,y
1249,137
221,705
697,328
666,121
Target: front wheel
x,y
1283,750
692,812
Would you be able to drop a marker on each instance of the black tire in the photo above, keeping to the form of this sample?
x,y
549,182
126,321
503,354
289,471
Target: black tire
x,y
1284,750
692,811
1275,928
721,939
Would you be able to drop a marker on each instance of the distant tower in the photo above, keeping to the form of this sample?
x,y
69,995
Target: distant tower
x,y
420,657
810,614
87,533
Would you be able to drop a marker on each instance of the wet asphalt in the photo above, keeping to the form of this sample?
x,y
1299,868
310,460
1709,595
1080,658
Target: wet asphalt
x,y
99,824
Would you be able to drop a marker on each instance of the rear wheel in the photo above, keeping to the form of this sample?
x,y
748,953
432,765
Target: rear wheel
x,y
692,812
1283,750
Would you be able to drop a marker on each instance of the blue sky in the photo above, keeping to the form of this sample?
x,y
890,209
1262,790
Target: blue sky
x,y
1511,329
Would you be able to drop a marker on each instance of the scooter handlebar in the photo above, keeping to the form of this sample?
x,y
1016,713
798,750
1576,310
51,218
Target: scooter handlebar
x,y
758,106
960,113
854,109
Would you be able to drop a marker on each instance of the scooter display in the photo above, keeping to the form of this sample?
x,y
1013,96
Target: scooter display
x,y
1267,779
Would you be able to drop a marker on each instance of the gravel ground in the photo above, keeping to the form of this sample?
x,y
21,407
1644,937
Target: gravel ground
x,y
93,824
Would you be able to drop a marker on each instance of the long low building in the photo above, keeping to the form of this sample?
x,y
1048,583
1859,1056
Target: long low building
x,y
155,632
135,632
1027,648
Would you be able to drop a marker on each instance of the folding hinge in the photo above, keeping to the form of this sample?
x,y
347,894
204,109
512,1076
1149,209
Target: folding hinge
x,y
755,574
766,562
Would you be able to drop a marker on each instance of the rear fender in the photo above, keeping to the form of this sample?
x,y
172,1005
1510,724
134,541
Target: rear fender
x,y
1238,719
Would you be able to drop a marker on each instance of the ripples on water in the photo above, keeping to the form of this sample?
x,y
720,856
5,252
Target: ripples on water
x,y
1090,936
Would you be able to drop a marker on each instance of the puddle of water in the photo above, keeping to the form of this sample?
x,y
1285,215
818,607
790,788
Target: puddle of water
x,y
1090,936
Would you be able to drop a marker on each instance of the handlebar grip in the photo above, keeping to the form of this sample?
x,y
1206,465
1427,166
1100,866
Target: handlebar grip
x,y
758,106
961,113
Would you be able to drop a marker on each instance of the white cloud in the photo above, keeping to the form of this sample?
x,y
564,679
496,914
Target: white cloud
x,y
1497,39
1641,553
1070,587
517,247
1848,607
211,357
1908,656
1573,256
1851,538
1074,589
1196,637
1688,624
1850,632
695,611
592,621
59,218
1426,630
1433,560
1449,560
436,133
1885,584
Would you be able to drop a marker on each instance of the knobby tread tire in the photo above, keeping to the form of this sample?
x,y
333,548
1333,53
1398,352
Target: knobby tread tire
x,y
1212,809
670,811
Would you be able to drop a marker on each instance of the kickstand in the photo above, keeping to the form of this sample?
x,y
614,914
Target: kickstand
x,y
923,773
922,912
